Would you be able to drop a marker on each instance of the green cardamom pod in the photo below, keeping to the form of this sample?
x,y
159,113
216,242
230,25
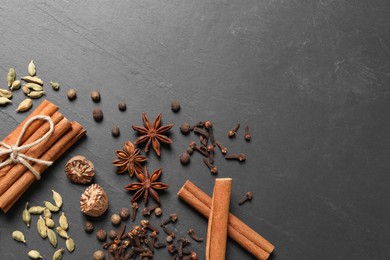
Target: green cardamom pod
x,y
16,85
25,105
46,213
57,198
41,226
70,244
5,93
62,233
55,85
49,222
18,236
34,254
52,237
36,94
26,90
63,221
51,207
34,87
36,210
31,69
26,216
11,76
58,254
4,101
35,80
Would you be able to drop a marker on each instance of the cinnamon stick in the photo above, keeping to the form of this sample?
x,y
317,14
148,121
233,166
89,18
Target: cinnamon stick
x,y
249,239
45,108
8,198
37,151
44,128
218,220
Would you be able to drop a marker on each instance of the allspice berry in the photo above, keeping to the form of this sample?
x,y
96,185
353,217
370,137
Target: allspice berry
x,y
185,158
115,131
115,219
185,128
175,106
112,234
95,95
158,211
122,106
97,114
124,213
99,255
71,93
101,235
88,227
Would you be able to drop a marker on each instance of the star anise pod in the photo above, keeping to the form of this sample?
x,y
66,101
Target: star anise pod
x,y
147,186
152,134
129,159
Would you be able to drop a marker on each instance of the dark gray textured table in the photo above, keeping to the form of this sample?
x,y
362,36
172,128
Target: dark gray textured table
x,y
311,78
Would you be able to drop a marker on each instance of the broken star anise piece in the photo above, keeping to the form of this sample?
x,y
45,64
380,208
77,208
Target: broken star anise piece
x,y
129,159
147,186
152,134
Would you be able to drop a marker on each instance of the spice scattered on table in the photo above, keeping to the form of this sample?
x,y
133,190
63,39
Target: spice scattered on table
x,y
71,94
248,196
95,96
129,159
175,106
80,170
97,114
152,134
122,106
115,131
232,132
94,201
147,186
25,105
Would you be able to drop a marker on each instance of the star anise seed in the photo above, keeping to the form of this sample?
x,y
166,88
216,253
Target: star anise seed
x,y
152,134
147,186
129,159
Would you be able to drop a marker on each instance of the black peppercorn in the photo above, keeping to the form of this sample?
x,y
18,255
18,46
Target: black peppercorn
x,y
71,93
124,213
101,235
95,95
88,227
115,131
122,106
97,114
185,128
175,105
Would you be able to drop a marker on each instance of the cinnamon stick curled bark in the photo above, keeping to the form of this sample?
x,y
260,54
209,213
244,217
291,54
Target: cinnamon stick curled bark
x,y
249,239
218,220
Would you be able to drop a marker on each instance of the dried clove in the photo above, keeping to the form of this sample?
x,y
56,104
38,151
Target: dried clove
x,y
200,131
240,157
148,210
198,149
145,223
172,218
221,147
192,234
232,132
213,168
248,196
134,208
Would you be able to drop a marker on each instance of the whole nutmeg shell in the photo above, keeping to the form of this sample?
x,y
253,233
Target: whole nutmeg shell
x,y
80,170
94,201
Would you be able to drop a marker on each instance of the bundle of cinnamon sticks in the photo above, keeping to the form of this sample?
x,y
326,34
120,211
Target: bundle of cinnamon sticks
x,y
16,178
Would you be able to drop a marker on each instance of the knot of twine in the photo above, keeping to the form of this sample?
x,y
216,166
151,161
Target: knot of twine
x,y
14,151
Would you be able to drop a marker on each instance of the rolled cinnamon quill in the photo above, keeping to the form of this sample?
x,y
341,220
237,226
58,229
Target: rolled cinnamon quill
x,y
218,220
237,230
8,198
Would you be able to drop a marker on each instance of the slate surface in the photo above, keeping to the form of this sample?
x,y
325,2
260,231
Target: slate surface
x,y
311,78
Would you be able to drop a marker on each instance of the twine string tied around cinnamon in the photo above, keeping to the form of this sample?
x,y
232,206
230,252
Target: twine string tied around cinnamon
x,y
15,151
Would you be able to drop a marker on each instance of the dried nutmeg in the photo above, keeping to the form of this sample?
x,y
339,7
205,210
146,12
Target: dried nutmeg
x,y
88,227
95,95
80,170
97,114
94,201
